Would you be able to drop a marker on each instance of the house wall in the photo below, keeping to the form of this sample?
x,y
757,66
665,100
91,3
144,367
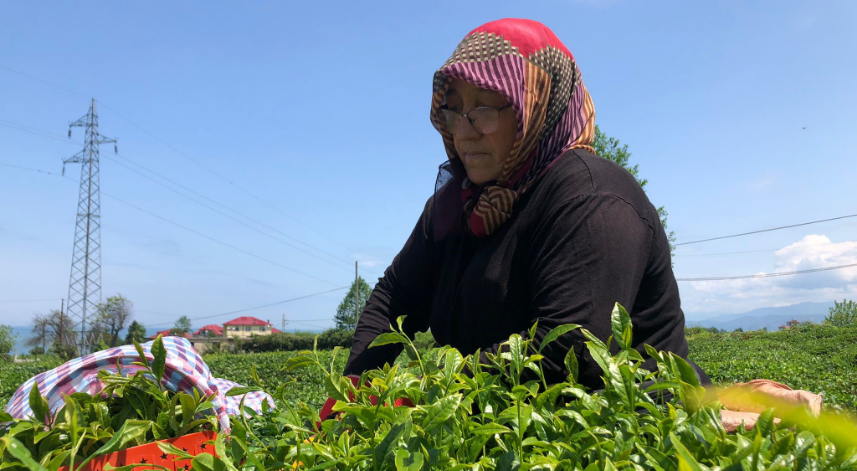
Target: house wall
x,y
245,331
212,344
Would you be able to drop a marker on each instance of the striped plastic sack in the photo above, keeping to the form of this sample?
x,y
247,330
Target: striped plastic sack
x,y
184,371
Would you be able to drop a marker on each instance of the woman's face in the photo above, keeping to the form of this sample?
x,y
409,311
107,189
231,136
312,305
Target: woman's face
x,y
483,155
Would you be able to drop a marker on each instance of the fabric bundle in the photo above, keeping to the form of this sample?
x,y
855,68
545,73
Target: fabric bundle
x,y
184,371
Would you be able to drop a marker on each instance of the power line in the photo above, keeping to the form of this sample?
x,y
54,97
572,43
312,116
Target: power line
x,y
37,132
767,230
178,152
761,251
218,175
228,216
768,275
264,306
189,229
28,300
305,324
32,170
43,81
47,134
217,241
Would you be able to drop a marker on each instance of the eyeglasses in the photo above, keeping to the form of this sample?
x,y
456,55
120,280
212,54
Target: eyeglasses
x,y
484,119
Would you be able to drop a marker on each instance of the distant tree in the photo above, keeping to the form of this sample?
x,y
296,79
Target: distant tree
x,y
7,342
37,351
842,314
348,310
41,333
182,326
611,149
738,330
53,332
136,333
111,317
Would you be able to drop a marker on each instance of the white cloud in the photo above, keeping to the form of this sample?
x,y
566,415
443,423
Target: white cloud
x,y
813,251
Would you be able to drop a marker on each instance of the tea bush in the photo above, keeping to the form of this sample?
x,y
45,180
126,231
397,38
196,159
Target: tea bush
x,y
130,411
483,417
13,375
470,416
288,341
305,385
821,359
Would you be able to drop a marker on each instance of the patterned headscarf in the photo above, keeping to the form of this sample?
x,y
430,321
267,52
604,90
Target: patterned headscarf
x,y
525,62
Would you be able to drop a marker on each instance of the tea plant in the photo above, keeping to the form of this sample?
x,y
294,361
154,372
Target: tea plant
x,y
470,416
129,411
13,375
306,385
821,359
474,416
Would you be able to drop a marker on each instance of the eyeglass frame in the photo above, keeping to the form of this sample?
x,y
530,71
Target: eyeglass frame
x,y
498,109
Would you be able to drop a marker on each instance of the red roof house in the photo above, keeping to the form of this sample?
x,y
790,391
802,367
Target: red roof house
x,y
246,320
215,330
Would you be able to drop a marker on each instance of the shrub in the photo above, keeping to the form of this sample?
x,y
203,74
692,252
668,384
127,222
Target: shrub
x,y
7,342
842,314
293,341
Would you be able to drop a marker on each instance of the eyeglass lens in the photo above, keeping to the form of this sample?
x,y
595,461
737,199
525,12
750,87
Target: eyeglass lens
x,y
483,119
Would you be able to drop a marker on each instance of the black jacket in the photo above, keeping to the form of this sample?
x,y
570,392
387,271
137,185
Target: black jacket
x,y
582,238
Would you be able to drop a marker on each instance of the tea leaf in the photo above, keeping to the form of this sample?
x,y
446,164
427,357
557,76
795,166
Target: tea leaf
x,y
241,390
206,462
556,333
406,461
388,443
440,411
620,323
39,405
130,431
388,338
19,451
160,359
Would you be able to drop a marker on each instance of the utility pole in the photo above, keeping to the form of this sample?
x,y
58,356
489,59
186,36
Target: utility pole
x,y
84,287
62,319
356,292
284,323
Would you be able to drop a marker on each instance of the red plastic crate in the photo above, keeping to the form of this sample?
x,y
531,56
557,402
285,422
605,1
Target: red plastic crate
x,y
151,454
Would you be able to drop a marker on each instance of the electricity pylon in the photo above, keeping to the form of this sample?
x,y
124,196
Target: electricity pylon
x,y
84,287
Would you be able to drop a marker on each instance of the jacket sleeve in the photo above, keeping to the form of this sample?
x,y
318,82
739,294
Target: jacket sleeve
x,y
585,255
404,290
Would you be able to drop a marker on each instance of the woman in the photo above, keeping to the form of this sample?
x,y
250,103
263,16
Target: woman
x,y
526,223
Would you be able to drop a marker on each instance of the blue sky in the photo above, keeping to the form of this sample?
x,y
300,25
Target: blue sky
x,y
312,118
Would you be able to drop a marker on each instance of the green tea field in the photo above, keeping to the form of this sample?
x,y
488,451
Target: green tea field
x,y
490,420
817,358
